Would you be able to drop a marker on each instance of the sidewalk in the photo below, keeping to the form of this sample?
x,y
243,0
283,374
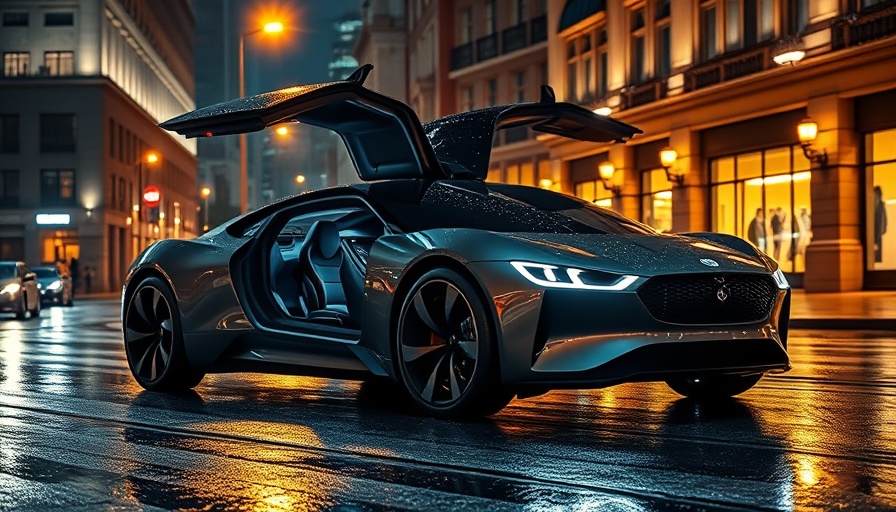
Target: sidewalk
x,y
847,310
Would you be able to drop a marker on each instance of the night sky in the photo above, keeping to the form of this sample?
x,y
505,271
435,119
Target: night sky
x,y
303,53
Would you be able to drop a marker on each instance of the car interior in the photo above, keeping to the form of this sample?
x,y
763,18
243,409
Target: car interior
x,y
318,263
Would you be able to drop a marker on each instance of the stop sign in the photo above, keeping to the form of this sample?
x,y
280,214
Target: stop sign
x,y
151,196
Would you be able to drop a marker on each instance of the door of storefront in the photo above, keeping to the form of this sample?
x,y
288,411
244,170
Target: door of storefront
x,y
59,245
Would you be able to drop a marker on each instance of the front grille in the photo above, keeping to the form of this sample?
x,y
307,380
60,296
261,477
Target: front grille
x,y
706,299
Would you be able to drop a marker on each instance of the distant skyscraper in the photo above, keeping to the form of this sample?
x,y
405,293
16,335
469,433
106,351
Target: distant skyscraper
x,y
342,61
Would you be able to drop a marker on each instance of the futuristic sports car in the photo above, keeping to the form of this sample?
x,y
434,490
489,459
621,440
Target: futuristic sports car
x,y
465,293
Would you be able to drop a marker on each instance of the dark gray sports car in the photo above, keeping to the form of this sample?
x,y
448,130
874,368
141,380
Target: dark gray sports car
x,y
465,293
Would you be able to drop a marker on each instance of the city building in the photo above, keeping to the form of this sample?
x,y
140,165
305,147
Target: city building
x,y
329,156
725,85
83,87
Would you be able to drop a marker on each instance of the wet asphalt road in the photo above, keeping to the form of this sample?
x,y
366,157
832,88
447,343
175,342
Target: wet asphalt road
x,y
76,433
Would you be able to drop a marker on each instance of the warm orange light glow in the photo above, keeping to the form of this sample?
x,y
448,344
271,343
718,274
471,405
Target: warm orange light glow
x,y
606,170
282,130
546,183
205,192
273,27
152,157
668,156
300,178
807,130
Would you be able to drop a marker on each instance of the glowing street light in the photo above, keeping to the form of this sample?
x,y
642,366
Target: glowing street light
x,y
273,27
204,192
282,131
300,178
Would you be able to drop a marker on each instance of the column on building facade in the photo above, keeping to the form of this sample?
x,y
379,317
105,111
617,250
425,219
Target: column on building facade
x,y
627,202
689,200
834,258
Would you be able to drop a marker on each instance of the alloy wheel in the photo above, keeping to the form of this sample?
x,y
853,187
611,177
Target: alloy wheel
x,y
438,342
149,333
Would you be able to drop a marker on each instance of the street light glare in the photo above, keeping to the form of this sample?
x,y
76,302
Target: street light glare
x,y
205,192
152,158
300,179
282,130
273,27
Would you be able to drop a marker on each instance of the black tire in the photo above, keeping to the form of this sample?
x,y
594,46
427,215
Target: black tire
x,y
713,387
35,313
23,307
153,339
446,348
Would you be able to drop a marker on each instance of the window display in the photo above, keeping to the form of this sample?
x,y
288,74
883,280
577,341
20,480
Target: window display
x,y
880,198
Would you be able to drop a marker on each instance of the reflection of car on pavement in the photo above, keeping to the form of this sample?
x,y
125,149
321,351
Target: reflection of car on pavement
x,y
464,292
54,287
18,290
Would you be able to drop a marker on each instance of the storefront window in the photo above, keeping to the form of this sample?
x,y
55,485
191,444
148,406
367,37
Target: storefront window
x,y
595,192
880,155
59,246
656,200
764,197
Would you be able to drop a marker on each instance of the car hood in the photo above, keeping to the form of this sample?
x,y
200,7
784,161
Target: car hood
x,y
643,255
47,281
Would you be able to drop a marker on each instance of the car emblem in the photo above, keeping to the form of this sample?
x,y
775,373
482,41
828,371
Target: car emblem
x,y
709,263
723,293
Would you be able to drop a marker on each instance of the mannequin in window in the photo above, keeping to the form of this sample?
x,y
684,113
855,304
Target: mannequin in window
x,y
756,231
880,223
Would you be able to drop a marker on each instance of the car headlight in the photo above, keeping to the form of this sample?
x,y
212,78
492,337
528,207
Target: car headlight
x,y
780,280
552,276
11,289
55,285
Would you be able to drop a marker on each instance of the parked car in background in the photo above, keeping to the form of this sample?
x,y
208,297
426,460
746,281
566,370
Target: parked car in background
x,y
55,288
18,290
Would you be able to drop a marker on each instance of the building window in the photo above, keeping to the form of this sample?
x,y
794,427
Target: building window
x,y
880,198
638,48
491,93
57,133
9,133
59,19
57,187
516,12
59,63
663,31
519,86
594,191
709,37
586,65
9,188
490,23
741,23
15,19
466,99
764,197
16,63
465,26
656,200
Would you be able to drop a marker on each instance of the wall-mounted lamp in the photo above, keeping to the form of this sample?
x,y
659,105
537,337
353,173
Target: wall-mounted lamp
x,y
789,50
606,170
89,213
807,131
668,156
546,183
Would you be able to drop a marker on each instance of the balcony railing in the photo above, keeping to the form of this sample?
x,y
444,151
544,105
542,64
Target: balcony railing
x,y
644,93
539,29
863,27
487,47
513,38
509,40
729,66
462,56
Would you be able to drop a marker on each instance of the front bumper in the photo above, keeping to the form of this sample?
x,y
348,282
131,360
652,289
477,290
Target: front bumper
x,y
9,303
560,338
48,296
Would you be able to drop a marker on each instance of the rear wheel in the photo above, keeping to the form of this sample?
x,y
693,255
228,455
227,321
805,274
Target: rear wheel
x,y
153,339
447,349
708,387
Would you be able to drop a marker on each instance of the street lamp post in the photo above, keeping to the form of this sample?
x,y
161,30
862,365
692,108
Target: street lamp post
x,y
150,157
272,27
205,192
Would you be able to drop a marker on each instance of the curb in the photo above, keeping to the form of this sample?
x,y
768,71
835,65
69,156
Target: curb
x,y
844,324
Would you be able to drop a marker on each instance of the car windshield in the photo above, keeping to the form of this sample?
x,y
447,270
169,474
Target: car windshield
x,y
496,207
7,270
45,273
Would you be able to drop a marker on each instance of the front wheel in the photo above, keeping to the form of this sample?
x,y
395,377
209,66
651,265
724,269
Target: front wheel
x,y
710,387
22,310
447,349
153,339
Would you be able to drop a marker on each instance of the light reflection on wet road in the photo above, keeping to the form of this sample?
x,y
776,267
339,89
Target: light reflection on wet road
x,y
76,432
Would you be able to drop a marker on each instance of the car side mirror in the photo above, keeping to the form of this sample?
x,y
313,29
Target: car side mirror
x,y
30,276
